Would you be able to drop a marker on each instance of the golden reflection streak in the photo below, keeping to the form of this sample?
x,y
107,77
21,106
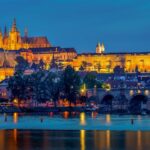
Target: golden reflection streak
x,y
108,118
94,114
108,139
82,139
66,114
82,119
139,140
2,139
15,135
15,117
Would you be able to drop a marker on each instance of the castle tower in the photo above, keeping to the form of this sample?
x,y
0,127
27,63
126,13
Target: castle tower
x,y
25,39
5,39
25,32
14,28
5,32
103,48
14,38
100,48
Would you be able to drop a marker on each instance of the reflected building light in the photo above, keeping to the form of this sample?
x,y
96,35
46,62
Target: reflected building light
x,y
146,92
139,140
15,135
94,114
51,114
131,92
66,114
15,117
139,118
108,139
82,139
108,119
82,119
139,91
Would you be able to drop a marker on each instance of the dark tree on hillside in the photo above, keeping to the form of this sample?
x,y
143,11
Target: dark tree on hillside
x,y
35,66
60,66
22,64
42,64
91,81
81,68
118,70
98,67
71,84
16,85
54,86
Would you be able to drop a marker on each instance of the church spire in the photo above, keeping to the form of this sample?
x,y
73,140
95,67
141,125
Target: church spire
x,y
25,32
100,48
0,32
5,32
14,28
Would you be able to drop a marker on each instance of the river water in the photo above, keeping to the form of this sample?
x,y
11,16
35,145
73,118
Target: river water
x,y
73,140
78,131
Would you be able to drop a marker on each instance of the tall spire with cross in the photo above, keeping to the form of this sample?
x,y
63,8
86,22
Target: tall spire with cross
x,y
14,28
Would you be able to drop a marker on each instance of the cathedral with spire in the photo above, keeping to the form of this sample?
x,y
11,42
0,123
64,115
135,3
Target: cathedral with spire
x,y
100,49
14,41
37,49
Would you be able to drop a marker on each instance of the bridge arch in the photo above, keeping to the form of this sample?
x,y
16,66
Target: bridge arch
x,y
107,99
136,102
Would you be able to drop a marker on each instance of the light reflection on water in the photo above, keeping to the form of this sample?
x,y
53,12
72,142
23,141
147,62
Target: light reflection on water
x,y
82,139
82,118
74,121
15,117
108,118
73,140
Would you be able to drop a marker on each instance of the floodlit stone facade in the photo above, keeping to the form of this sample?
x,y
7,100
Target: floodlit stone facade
x,y
105,63
34,49
14,41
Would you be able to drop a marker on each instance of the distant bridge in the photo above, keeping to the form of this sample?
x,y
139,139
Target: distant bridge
x,y
129,94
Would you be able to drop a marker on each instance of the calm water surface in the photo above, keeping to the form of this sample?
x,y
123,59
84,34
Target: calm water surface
x,y
79,131
73,140
79,121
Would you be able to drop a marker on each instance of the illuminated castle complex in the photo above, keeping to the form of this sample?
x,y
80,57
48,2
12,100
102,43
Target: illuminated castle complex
x,y
14,41
100,48
34,49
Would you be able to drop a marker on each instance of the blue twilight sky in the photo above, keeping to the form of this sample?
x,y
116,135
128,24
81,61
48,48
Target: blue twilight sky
x,y
123,25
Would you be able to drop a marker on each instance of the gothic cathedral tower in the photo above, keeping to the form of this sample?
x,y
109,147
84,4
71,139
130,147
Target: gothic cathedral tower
x,y
14,41
100,48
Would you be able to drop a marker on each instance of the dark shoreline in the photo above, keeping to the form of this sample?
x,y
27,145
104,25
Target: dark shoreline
x,y
41,110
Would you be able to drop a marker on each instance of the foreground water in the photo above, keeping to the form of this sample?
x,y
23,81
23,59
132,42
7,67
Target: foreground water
x,y
76,131
73,140
75,121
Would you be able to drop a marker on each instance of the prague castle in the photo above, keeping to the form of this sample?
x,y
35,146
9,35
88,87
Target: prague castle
x,y
34,49
14,41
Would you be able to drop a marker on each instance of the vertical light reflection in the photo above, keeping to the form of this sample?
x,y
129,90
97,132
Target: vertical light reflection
x,y
108,118
82,139
15,135
2,139
139,140
66,114
108,139
15,117
82,119
94,114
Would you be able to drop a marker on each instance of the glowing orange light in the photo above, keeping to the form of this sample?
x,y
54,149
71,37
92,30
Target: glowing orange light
x,y
82,139
15,117
108,118
82,118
